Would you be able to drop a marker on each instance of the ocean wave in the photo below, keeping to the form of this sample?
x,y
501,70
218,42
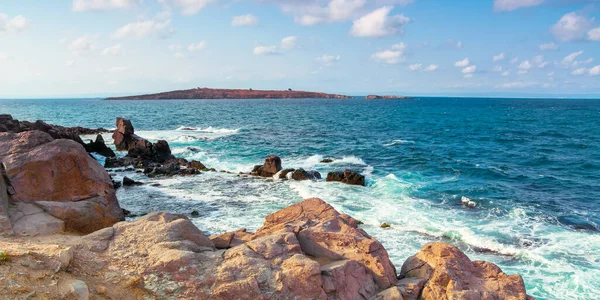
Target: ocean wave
x,y
394,142
209,129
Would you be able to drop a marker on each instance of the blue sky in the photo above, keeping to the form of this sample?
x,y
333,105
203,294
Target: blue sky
x,y
412,47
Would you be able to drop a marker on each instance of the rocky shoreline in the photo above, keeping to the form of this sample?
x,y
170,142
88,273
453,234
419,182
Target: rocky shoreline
x,y
63,235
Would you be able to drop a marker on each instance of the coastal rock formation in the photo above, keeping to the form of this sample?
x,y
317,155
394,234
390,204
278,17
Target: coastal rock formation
x,y
60,178
271,166
348,177
9,124
301,174
450,274
305,251
99,146
205,93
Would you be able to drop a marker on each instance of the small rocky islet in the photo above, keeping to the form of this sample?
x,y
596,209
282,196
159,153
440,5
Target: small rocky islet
x,y
63,235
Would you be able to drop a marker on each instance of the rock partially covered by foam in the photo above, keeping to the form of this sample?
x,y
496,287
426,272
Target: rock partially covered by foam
x,y
270,167
348,177
450,274
61,178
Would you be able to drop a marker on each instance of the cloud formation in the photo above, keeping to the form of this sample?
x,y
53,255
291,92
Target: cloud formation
x,y
102,5
379,23
510,5
160,29
16,24
244,20
462,63
573,27
265,50
289,42
391,56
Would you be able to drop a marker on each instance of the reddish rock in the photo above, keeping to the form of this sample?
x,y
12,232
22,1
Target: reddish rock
x,y
271,166
347,279
323,233
231,239
450,274
61,178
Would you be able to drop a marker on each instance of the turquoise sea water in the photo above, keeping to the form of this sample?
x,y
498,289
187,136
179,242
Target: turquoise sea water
x,y
533,167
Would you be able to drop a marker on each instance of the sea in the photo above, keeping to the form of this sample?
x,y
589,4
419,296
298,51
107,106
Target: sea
x,y
532,166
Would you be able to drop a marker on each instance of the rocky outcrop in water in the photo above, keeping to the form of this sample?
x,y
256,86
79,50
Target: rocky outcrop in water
x,y
387,97
348,177
9,124
59,183
99,146
205,93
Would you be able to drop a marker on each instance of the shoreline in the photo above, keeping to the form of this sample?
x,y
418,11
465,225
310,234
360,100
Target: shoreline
x,y
321,274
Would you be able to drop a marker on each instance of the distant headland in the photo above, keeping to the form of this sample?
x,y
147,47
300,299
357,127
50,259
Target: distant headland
x,y
388,97
207,93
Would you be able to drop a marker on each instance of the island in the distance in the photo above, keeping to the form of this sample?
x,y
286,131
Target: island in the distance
x,y
388,97
206,93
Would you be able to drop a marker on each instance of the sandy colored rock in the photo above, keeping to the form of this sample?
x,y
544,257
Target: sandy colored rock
x,y
323,233
450,274
231,239
393,293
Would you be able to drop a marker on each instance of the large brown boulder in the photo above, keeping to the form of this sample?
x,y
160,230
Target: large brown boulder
x,y
61,178
326,234
270,167
450,274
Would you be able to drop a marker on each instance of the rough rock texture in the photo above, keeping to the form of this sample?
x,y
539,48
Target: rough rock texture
x,y
30,219
301,174
61,178
5,224
205,93
271,166
324,233
99,146
347,177
347,279
371,97
450,274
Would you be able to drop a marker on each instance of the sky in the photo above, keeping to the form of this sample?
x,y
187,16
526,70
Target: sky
x,y
96,48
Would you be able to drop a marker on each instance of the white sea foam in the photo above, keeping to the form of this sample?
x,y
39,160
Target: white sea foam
x,y
208,129
394,142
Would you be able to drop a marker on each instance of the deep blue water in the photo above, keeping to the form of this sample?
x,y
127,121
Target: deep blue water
x,y
532,166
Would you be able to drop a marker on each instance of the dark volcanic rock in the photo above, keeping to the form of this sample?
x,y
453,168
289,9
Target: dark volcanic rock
x,y
301,174
327,161
347,177
130,182
98,146
283,174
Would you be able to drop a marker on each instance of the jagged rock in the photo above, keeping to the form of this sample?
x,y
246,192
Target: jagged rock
x,y
271,166
5,224
130,182
61,178
347,177
231,239
301,174
411,287
347,279
450,274
98,146
29,219
324,233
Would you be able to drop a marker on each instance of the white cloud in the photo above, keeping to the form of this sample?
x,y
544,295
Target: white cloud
x,y
525,65
265,50
289,42
572,26
16,24
516,84
570,59
538,62
506,73
594,71
112,50
548,46
514,60
415,67
579,71
328,59
190,7
497,69
379,23
389,57
100,5
197,46
523,72
469,69
431,68
244,20
499,57
594,34
468,76
118,69
510,5
145,28
311,12
82,45
462,63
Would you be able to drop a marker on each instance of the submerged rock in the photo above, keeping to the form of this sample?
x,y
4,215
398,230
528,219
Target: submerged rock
x,y
327,161
130,182
301,174
348,177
